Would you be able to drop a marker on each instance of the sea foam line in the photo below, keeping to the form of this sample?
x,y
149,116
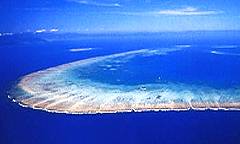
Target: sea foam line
x,y
225,46
224,53
80,49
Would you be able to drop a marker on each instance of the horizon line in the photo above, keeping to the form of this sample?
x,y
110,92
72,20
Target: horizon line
x,y
116,32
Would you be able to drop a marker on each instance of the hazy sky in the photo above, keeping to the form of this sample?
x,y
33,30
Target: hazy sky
x,y
119,15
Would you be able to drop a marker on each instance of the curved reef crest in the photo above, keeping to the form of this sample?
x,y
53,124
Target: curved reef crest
x,y
58,89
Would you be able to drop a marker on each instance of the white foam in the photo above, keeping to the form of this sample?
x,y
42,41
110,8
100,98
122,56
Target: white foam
x,y
225,46
183,46
54,30
224,53
80,49
112,69
217,52
6,34
40,30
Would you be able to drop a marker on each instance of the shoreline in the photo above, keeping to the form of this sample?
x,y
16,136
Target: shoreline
x,y
128,110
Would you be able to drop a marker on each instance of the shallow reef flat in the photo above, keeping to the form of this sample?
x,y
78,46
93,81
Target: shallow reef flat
x,y
57,89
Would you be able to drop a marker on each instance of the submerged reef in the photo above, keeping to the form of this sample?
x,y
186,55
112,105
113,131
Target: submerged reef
x,y
58,89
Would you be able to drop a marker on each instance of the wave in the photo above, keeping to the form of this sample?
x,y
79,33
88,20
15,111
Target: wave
x,y
225,46
224,53
80,49
57,90
183,46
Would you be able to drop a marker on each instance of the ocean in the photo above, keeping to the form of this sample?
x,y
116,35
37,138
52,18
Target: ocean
x,y
199,59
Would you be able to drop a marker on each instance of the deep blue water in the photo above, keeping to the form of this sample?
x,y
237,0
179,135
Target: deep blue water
x,y
24,125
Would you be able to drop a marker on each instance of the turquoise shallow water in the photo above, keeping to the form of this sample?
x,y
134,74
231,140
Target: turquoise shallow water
x,y
185,65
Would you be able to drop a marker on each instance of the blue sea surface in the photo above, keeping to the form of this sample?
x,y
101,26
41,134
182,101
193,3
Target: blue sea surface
x,y
204,58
